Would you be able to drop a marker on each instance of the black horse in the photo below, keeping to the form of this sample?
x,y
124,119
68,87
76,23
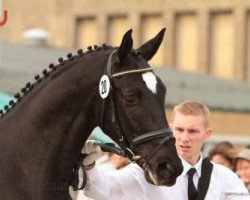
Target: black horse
x,y
43,131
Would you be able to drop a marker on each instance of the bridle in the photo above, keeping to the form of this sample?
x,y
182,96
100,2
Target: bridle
x,y
123,126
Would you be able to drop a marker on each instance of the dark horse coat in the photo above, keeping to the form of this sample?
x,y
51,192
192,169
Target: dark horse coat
x,y
43,131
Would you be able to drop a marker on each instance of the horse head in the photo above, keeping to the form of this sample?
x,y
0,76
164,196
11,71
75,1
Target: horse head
x,y
132,110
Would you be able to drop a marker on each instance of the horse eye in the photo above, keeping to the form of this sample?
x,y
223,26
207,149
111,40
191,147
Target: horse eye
x,y
130,100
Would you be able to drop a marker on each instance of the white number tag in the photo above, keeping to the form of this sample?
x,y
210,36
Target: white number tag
x,y
104,86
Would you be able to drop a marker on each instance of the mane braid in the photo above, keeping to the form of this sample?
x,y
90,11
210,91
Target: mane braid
x,y
29,86
89,49
52,67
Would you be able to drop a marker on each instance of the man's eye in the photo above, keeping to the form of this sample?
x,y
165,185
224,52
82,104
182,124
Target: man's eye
x,y
193,131
179,129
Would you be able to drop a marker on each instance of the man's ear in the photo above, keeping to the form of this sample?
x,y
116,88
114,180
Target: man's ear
x,y
171,126
208,132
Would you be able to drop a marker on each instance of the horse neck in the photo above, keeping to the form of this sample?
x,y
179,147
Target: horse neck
x,y
52,124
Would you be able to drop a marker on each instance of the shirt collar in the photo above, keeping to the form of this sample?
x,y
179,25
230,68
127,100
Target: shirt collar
x,y
187,166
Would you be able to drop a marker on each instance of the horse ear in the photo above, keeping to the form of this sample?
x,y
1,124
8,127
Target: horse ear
x,y
149,49
126,45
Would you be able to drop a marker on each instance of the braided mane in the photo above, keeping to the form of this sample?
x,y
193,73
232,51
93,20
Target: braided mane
x,y
52,68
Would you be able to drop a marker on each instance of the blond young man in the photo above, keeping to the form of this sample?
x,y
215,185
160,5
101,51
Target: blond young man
x,y
191,129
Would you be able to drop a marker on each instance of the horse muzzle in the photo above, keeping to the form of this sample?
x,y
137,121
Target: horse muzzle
x,y
162,165
165,174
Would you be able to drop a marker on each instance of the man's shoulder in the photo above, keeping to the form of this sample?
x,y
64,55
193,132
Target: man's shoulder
x,y
222,171
221,167
228,180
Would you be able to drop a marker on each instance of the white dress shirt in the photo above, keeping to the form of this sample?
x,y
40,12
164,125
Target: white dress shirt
x,y
129,184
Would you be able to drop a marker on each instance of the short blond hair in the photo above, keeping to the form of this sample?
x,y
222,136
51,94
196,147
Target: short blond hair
x,y
191,107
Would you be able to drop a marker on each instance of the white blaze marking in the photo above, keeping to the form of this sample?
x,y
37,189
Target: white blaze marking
x,y
150,80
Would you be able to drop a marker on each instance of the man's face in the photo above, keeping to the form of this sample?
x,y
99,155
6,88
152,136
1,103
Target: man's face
x,y
190,134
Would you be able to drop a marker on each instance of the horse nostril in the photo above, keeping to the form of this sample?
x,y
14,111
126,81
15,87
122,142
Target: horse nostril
x,y
169,167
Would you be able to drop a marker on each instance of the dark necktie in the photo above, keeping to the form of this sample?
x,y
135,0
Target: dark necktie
x,y
192,192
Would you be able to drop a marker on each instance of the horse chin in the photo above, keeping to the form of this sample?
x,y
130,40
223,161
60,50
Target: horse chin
x,y
151,177
169,183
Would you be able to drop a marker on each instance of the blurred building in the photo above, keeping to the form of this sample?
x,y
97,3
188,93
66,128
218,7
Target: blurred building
x,y
205,54
208,37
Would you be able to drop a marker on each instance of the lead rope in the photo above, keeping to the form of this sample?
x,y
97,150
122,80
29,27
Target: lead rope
x,y
74,181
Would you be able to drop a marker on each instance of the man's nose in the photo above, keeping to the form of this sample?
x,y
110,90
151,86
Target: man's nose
x,y
184,137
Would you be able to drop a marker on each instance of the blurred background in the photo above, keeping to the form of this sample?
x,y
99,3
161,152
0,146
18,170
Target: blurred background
x,y
205,54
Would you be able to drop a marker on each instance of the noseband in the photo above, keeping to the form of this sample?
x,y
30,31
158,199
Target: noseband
x,y
122,124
